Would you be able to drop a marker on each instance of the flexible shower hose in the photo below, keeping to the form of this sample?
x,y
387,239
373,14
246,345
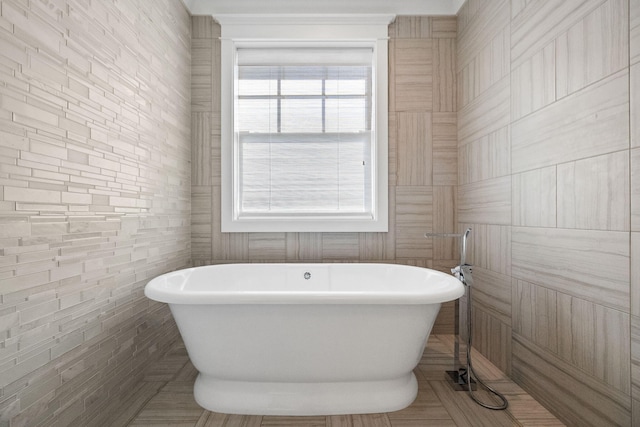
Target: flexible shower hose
x,y
470,370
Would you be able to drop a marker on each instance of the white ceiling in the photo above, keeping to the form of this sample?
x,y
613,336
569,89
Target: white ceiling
x,y
395,7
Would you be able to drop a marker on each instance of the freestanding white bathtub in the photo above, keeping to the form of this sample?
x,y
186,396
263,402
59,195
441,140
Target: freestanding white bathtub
x,y
305,339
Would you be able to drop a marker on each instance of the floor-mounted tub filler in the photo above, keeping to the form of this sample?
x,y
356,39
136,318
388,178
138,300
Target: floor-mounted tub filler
x,y
305,339
463,377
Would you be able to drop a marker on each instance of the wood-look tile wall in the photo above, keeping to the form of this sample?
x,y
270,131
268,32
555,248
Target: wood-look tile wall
x,y
422,161
94,200
548,180
634,100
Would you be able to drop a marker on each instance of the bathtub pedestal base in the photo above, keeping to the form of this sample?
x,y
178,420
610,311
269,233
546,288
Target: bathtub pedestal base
x,y
298,399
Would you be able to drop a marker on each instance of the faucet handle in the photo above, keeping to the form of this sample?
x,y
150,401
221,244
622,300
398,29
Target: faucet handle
x,y
463,273
467,277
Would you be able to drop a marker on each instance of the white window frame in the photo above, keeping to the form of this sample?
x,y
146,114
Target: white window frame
x,y
313,31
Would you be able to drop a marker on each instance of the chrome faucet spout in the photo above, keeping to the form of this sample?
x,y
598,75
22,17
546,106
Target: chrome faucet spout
x,y
463,248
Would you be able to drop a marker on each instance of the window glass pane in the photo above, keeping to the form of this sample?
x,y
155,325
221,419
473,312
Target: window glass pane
x,y
345,115
257,115
256,166
257,87
301,115
301,87
345,87
304,176
306,173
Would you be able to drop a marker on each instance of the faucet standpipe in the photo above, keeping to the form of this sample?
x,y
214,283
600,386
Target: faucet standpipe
x,y
463,377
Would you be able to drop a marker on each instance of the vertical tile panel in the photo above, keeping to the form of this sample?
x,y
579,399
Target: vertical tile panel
x,y
444,221
392,74
445,149
467,87
635,274
236,246
613,337
217,237
378,246
414,217
201,155
414,149
524,313
577,331
634,30
533,84
216,100
303,246
392,233
216,167
499,152
534,198
492,338
413,74
635,367
202,72
595,339
201,27
411,27
444,87
593,193
201,220
635,105
593,48
393,150
547,330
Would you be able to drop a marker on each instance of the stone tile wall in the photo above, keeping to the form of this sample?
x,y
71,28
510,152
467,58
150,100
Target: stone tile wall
x,y
94,200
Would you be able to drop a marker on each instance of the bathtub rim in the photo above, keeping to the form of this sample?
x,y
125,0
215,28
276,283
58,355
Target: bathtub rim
x,y
158,289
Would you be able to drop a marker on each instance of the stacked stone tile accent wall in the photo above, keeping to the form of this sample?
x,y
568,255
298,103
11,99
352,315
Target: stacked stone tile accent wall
x,y
94,200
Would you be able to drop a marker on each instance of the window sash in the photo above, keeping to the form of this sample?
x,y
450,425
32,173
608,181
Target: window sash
x,y
277,175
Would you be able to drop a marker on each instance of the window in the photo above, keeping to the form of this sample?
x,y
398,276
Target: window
x,y
304,134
